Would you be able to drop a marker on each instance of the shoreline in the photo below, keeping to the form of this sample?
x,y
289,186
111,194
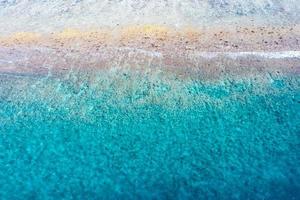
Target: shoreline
x,y
188,52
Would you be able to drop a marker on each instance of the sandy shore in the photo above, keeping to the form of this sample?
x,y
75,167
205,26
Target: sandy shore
x,y
189,51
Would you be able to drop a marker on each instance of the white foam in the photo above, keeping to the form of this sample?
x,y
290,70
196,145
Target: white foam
x,y
6,61
142,51
235,55
53,16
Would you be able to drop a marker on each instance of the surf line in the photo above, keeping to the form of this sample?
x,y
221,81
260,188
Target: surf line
x,y
265,54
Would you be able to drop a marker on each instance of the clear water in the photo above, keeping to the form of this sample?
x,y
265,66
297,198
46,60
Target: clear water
x,y
120,134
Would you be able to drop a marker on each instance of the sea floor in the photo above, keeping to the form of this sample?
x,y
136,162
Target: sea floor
x,y
123,133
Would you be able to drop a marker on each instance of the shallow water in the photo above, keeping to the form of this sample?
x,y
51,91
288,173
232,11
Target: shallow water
x,y
124,134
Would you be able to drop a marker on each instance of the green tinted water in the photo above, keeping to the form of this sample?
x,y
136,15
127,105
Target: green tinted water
x,y
135,135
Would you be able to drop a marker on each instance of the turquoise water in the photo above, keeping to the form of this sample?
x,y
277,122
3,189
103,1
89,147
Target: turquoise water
x,y
122,134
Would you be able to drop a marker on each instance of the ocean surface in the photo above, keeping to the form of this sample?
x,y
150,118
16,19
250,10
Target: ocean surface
x,y
135,134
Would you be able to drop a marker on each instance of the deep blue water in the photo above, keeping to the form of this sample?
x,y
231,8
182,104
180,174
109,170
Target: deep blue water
x,y
122,135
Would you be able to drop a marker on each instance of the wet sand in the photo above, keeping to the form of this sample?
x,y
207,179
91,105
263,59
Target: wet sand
x,y
204,53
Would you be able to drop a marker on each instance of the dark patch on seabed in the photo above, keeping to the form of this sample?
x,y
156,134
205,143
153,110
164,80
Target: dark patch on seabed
x,y
119,134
